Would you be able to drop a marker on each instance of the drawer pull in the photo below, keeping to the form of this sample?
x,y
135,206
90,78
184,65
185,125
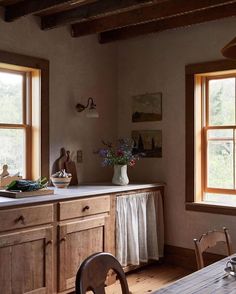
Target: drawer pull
x,y
20,219
63,239
49,242
86,208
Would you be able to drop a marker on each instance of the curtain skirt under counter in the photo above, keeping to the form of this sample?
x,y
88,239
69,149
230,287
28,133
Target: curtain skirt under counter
x,y
139,228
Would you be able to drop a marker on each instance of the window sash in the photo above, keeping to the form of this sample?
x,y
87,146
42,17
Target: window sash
x,y
26,118
205,128
205,96
25,105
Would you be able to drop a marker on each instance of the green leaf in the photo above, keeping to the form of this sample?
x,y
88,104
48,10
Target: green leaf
x,y
11,185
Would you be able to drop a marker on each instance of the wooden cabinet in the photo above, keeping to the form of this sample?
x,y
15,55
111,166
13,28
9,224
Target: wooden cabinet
x,y
84,207
26,262
11,219
42,246
80,238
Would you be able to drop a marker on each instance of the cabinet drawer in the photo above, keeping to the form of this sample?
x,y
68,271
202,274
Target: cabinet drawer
x,y
84,207
11,219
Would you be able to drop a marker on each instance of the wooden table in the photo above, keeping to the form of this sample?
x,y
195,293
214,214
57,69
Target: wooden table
x,y
211,279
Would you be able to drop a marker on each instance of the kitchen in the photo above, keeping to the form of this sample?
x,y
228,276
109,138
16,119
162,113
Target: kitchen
x,y
112,73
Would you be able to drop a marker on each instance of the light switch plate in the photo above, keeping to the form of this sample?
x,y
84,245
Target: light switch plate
x,y
79,156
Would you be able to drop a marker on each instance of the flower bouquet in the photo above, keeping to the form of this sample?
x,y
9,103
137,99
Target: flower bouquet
x,y
119,156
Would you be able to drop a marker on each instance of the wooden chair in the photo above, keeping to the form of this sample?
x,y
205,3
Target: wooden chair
x,y
208,240
93,272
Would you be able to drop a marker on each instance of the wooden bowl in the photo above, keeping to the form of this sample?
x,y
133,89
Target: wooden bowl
x,y
61,182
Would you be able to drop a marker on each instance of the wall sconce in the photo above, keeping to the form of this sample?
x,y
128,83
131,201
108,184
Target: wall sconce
x,y
229,51
92,112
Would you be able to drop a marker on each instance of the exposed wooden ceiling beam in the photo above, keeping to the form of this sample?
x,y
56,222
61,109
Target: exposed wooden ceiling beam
x,y
89,11
25,7
144,14
8,2
170,23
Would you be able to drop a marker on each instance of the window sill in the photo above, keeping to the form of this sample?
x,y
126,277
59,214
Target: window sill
x,y
211,208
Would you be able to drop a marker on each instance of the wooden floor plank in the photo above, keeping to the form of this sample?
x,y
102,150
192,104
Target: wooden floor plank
x,y
150,278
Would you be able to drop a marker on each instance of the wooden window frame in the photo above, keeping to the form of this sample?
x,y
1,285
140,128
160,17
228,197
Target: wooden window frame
x,y
26,124
192,198
207,127
10,60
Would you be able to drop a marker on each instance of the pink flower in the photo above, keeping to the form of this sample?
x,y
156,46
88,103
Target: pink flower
x,y
120,153
132,162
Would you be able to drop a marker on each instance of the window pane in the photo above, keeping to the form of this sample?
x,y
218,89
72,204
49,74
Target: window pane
x,y
220,134
220,198
222,102
11,106
12,150
220,164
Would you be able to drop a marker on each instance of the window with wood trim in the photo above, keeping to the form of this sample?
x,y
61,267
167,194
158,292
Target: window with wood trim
x,y
15,121
211,136
24,109
218,135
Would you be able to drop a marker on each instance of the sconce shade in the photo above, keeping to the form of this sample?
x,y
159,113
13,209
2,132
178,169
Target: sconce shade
x,y
229,51
92,113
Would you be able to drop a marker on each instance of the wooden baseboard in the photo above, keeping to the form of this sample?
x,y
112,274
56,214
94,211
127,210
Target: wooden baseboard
x,y
185,257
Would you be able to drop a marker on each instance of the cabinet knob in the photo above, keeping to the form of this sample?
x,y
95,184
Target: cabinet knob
x,y
86,208
63,239
20,219
49,242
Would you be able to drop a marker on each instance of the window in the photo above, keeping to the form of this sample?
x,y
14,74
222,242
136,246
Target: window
x,y
15,121
24,115
211,137
219,131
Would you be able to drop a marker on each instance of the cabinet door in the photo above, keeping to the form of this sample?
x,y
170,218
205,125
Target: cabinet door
x,y
78,240
26,262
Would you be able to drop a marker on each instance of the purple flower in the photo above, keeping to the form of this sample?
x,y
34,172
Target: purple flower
x,y
121,154
103,152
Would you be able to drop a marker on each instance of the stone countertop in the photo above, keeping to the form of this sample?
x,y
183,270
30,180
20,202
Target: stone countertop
x,y
75,192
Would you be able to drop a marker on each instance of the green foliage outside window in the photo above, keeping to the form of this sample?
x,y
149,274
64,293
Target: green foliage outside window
x,y
11,112
220,157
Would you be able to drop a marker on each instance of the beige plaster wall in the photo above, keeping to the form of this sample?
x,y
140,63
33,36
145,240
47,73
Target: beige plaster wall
x,y
157,63
79,68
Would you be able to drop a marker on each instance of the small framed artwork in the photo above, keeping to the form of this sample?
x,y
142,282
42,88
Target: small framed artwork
x,y
147,107
148,142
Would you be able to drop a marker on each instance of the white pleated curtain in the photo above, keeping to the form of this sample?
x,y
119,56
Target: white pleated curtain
x,y
139,228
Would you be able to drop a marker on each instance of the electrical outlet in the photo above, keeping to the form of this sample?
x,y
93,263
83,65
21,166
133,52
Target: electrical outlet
x,y
79,156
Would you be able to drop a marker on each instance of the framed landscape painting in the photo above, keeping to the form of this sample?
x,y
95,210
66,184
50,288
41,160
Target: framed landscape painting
x,y
147,107
148,142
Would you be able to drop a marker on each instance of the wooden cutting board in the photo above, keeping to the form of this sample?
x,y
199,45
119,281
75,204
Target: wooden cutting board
x,y
7,180
71,168
59,163
17,194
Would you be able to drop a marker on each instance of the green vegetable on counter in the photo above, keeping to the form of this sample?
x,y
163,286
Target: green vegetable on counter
x,y
27,185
